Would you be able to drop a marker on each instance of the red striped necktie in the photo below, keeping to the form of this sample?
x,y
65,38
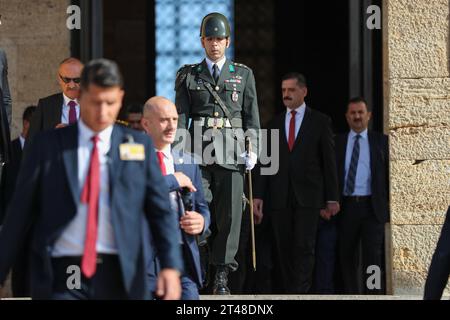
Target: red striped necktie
x,y
291,139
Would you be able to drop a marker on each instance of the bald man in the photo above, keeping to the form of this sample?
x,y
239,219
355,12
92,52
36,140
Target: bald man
x,y
61,109
160,119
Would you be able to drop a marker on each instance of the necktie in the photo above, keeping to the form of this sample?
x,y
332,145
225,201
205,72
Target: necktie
x,y
72,112
161,162
291,138
90,196
351,175
216,73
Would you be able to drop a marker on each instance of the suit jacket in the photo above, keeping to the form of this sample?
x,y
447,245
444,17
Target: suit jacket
x,y
47,196
184,163
379,167
9,176
310,168
236,88
440,264
4,86
5,142
47,115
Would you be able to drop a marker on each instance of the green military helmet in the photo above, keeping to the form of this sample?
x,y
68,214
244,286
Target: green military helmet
x,y
215,25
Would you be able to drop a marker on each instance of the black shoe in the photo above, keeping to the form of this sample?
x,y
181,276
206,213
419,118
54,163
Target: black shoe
x,y
221,281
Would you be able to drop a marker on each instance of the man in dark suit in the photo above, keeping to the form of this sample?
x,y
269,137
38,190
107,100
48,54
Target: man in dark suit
x,y
4,85
5,139
184,179
7,185
5,112
305,183
83,214
11,172
133,116
60,109
440,264
363,171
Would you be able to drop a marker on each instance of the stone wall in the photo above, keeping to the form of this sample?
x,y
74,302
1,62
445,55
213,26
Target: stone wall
x,y
35,38
417,96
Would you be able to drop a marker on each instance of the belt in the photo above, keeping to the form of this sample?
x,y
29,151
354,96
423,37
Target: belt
x,y
76,260
357,198
217,123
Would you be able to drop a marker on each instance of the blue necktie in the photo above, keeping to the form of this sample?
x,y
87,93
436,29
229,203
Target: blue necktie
x,y
351,175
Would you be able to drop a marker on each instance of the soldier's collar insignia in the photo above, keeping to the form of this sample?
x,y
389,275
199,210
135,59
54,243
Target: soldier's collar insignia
x,y
199,68
231,68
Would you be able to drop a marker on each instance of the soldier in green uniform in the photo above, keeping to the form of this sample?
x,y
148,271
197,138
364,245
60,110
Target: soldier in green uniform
x,y
217,100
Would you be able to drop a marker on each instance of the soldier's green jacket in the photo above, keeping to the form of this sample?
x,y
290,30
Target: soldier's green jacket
x,y
236,87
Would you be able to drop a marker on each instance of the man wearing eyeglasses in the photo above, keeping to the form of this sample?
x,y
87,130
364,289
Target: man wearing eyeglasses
x,y
61,109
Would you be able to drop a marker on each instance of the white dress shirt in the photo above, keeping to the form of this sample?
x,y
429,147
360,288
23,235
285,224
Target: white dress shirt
x,y
219,63
173,196
22,141
66,109
168,159
298,119
363,177
71,241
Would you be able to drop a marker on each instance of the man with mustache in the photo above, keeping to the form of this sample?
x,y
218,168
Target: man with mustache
x,y
305,183
183,177
61,109
363,170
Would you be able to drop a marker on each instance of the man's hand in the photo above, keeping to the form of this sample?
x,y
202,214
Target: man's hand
x,y
258,210
325,214
60,125
333,208
192,223
184,181
250,160
168,286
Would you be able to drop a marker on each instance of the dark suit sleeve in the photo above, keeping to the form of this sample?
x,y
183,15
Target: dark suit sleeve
x,y
172,182
200,203
260,181
440,265
163,221
3,192
21,212
7,102
329,162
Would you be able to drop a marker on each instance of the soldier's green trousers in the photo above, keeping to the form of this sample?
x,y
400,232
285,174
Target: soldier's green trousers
x,y
223,191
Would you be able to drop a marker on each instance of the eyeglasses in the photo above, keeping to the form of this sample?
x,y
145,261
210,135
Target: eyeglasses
x,y
67,80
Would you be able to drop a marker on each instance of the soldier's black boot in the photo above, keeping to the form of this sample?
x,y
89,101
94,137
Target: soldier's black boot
x,y
221,281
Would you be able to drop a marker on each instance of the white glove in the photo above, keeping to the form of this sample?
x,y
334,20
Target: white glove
x,y
250,161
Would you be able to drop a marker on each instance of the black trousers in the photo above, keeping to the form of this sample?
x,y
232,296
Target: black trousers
x,y
106,284
295,230
326,257
359,226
